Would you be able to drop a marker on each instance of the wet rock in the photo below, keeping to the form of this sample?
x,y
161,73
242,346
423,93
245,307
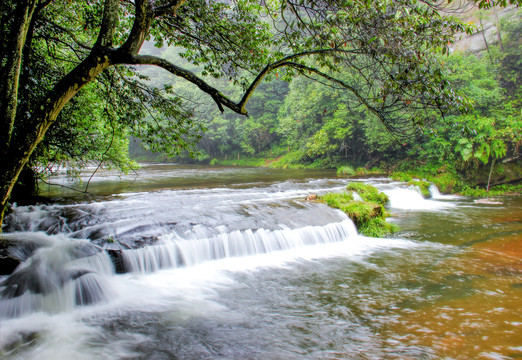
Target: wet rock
x,y
8,264
33,278
311,197
15,251
117,260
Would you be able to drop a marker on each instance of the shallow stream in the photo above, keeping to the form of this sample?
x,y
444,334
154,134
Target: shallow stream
x,y
179,262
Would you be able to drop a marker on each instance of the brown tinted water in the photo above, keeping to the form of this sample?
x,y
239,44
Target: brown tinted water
x,y
478,314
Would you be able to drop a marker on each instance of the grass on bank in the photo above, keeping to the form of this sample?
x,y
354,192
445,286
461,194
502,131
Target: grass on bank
x,y
452,184
447,181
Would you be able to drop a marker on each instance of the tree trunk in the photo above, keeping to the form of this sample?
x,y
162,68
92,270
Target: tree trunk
x,y
10,71
12,164
16,149
23,145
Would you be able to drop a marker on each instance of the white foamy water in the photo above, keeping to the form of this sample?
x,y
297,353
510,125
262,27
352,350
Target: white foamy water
x,y
410,199
250,271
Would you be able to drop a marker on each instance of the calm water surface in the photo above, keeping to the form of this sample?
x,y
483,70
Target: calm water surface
x,y
226,263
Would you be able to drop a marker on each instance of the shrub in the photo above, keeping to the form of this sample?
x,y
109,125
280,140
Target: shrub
x,y
345,171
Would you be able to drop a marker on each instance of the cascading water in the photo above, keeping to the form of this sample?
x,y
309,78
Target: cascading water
x,y
147,232
247,271
177,252
58,276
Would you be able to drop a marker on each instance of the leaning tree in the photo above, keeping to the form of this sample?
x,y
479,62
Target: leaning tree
x,y
53,51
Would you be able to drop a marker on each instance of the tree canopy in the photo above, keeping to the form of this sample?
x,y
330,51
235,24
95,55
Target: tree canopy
x,y
69,69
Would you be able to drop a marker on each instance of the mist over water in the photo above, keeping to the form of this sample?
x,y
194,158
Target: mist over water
x,y
221,263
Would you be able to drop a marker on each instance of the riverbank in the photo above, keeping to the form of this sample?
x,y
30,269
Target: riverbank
x,y
506,179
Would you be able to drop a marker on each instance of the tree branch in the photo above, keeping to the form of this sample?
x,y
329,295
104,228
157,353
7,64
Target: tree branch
x,y
281,63
140,28
220,99
108,24
341,83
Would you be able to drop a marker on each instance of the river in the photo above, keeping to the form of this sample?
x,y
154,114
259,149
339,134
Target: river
x,y
187,262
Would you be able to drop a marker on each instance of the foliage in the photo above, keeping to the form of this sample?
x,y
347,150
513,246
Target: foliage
x,y
494,191
257,162
368,193
492,131
446,182
345,171
292,159
402,176
369,215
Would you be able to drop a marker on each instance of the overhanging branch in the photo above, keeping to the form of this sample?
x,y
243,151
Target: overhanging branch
x,y
220,99
223,101
354,91
286,61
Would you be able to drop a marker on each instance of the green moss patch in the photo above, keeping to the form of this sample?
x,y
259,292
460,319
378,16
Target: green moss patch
x,y
378,227
345,171
368,193
368,215
424,187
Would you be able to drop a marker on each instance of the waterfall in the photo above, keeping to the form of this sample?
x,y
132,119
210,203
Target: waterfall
x,y
411,199
175,252
56,277
68,273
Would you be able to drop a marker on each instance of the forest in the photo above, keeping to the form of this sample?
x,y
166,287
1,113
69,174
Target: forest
x,y
276,179
286,129
320,84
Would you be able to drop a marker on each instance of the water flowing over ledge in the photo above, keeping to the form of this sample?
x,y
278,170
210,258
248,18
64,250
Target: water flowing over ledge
x,y
252,270
181,252
67,274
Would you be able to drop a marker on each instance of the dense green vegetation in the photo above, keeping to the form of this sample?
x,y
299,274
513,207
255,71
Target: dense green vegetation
x,y
364,204
71,90
74,85
456,151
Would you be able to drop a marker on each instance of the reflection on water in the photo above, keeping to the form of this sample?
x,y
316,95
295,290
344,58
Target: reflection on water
x,y
448,287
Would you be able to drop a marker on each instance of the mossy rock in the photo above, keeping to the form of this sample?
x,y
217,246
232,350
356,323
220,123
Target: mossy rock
x,y
445,182
424,187
369,216
362,212
368,193
378,227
